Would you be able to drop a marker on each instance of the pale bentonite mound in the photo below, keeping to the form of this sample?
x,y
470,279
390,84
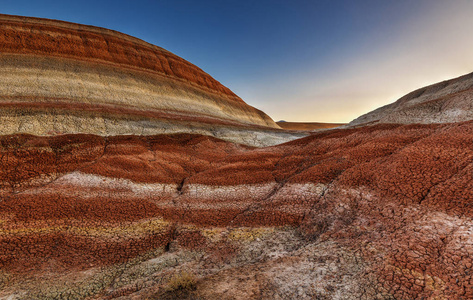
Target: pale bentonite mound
x,y
59,77
445,102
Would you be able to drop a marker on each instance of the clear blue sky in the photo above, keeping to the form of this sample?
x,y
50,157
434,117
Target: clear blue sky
x,y
299,60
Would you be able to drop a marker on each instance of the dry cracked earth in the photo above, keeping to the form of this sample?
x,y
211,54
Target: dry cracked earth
x,y
126,172
379,212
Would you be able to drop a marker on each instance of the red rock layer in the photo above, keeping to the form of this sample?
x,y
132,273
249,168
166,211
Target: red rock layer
x,y
65,66
26,35
399,195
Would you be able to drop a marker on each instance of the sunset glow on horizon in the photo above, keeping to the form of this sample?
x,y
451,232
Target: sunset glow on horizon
x,y
299,61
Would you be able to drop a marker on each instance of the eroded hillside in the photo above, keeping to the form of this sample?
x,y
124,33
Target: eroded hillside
x,y
65,78
444,102
126,172
374,212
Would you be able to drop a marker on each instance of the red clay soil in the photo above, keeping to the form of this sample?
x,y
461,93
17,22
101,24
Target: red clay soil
x,y
308,126
58,67
400,195
87,43
68,107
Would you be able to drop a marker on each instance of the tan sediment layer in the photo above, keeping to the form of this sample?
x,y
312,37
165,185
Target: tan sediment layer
x,y
53,71
48,96
47,79
89,43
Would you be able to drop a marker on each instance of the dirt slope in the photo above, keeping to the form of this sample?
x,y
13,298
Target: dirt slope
x,y
59,78
114,210
386,207
444,102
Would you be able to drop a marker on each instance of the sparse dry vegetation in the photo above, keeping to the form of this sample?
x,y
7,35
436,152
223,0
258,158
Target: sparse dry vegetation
x,y
181,286
182,281
367,212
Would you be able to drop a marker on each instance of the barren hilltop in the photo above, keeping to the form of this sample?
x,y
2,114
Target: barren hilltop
x,y
444,102
61,78
129,173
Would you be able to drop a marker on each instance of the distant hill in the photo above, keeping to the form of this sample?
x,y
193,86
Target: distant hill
x,y
445,102
307,125
121,212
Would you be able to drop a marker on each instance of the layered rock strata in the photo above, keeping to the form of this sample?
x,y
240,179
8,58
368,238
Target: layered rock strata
x,y
59,78
444,102
367,212
386,207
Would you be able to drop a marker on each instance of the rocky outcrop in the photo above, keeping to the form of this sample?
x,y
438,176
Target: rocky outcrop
x,y
444,102
383,209
60,78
